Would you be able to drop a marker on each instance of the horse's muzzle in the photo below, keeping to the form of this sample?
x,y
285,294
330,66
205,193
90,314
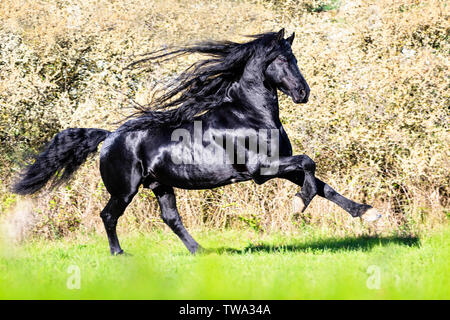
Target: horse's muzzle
x,y
300,95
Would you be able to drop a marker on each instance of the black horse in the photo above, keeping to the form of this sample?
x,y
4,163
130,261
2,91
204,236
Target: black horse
x,y
216,124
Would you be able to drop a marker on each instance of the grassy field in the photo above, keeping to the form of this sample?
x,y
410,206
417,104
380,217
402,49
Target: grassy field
x,y
237,265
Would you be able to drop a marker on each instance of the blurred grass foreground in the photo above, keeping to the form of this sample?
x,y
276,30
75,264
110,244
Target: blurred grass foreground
x,y
377,123
275,266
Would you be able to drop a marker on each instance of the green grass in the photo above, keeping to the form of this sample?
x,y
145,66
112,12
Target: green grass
x,y
238,265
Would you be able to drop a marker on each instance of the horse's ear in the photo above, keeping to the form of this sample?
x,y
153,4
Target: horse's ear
x,y
280,35
291,38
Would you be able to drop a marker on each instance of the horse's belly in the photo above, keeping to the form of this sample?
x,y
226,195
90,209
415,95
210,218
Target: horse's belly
x,y
199,176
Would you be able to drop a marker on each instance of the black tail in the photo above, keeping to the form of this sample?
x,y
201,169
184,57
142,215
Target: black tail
x,y
60,159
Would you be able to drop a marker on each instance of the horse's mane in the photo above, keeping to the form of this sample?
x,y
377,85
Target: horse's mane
x,y
201,87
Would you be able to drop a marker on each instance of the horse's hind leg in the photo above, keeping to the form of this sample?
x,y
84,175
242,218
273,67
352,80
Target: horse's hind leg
x,y
110,214
170,215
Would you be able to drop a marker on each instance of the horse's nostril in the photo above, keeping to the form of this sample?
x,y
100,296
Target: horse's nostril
x,y
302,93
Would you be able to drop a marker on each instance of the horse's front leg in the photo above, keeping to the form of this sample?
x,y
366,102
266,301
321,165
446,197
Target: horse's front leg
x,y
355,209
169,213
299,169
364,211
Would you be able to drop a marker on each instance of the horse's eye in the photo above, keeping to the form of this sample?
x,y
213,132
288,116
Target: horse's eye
x,y
282,59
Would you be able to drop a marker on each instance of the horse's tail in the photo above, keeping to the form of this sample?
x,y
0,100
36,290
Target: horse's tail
x,y
60,159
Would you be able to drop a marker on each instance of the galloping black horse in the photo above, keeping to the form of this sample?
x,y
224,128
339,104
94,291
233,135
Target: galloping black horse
x,y
223,108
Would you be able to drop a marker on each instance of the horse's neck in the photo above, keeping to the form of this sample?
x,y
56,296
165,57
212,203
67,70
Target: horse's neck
x,y
257,100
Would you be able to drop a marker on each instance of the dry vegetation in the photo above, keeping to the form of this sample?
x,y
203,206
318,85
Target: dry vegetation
x,y
376,124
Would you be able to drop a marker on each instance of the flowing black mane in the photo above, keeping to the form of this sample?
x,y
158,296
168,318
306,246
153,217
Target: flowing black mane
x,y
201,87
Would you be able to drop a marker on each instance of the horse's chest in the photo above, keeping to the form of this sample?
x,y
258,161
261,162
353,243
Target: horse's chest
x,y
285,149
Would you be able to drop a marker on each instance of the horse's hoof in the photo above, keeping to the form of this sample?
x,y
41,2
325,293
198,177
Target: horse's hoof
x,y
371,215
298,205
121,253
200,250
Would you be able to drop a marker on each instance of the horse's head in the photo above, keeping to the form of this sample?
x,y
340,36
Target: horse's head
x,y
283,72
